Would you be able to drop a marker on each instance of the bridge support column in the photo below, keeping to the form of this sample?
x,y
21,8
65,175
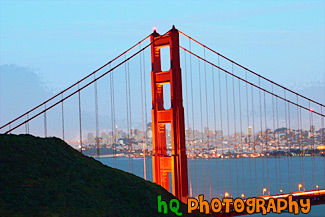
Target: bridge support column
x,y
176,163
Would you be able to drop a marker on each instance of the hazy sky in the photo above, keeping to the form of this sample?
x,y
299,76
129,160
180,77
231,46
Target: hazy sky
x,y
66,40
71,38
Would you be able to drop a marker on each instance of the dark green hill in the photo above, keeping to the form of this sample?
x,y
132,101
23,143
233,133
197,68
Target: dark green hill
x,y
46,177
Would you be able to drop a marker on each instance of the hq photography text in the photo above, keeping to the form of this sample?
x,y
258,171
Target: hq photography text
x,y
227,205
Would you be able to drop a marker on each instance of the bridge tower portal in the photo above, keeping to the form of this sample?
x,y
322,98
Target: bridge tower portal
x,y
176,163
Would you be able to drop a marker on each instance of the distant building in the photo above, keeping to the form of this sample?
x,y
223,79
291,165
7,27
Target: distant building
x,y
149,127
249,130
149,130
312,128
149,134
206,130
103,135
90,138
219,133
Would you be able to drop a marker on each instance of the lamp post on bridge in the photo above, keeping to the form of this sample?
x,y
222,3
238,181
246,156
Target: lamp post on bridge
x,y
299,186
264,190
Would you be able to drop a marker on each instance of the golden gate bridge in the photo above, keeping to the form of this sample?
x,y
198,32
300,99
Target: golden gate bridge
x,y
204,106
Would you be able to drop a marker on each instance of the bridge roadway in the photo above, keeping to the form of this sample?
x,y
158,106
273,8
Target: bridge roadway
x,y
317,197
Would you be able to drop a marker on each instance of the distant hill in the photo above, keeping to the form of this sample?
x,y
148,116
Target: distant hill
x,y
46,177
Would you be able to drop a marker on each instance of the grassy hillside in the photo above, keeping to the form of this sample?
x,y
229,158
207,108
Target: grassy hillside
x,y
46,177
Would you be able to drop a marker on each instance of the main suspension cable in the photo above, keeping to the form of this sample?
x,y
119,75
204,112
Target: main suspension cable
x,y
63,91
190,38
250,83
73,93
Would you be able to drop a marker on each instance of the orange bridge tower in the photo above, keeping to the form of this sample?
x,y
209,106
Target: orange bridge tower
x,y
162,163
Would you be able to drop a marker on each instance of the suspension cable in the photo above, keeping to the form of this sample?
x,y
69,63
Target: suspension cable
x,y
290,138
221,127
215,127
142,113
45,124
145,108
267,149
80,129
86,85
114,133
286,138
312,144
60,93
303,163
323,141
235,129
188,123
130,116
202,138
256,86
193,134
207,118
127,114
261,133
299,141
254,139
26,124
249,138
228,132
251,70
96,116
241,136
278,140
62,117
274,145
